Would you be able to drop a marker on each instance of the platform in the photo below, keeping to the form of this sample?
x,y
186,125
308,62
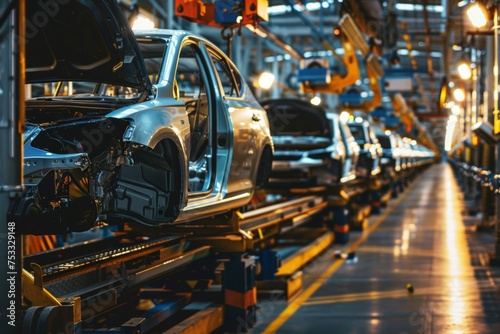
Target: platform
x,y
419,267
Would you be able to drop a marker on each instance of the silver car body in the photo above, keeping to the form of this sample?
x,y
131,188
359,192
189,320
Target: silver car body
x,y
184,140
371,151
309,149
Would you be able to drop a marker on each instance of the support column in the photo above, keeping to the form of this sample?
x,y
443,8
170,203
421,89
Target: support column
x,y
11,131
240,293
495,257
376,202
340,220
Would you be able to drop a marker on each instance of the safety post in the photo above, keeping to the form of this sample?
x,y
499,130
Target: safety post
x,y
340,222
240,292
375,201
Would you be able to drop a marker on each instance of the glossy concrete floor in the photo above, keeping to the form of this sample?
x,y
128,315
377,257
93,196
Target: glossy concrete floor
x,y
422,238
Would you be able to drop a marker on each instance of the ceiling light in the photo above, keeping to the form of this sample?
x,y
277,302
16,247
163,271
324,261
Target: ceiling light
x,y
459,94
477,15
344,116
464,71
316,101
142,23
266,80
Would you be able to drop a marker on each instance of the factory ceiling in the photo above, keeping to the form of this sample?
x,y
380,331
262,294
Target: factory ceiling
x,y
424,39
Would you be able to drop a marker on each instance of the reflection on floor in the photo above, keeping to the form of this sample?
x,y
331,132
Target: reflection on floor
x,y
419,268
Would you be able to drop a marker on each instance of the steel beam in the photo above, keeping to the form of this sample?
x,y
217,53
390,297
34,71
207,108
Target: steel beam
x,y
11,131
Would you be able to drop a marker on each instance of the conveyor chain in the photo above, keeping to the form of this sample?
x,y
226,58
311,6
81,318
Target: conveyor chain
x,y
82,258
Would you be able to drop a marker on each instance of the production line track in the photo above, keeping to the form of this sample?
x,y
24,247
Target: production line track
x,y
117,265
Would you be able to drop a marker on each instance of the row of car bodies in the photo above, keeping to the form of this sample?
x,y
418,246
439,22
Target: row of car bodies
x,y
400,154
311,147
156,128
315,147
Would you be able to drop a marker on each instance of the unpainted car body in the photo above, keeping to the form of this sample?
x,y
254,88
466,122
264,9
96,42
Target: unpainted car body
x,y
370,149
153,128
312,146
391,152
304,141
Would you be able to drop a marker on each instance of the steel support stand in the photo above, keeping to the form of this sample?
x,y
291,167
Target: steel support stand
x,y
240,292
340,220
11,131
486,224
375,202
495,256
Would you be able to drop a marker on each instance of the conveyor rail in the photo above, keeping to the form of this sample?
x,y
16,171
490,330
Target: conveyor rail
x,y
277,213
82,258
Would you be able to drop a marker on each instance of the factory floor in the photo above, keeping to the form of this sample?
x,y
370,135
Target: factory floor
x,y
419,267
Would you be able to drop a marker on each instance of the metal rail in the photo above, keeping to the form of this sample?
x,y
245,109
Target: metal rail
x,y
79,259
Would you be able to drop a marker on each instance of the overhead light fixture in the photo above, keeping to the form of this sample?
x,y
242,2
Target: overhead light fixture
x,y
344,116
266,80
464,71
316,100
477,15
459,94
143,23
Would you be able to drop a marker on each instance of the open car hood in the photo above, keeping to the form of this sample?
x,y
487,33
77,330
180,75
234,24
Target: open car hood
x,y
82,40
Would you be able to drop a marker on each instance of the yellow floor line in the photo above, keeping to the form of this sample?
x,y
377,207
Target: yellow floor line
x,y
304,296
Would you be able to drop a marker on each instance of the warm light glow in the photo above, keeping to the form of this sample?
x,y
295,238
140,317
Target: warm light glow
x,y
266,80
464,71
344,116
450,129
142,23
477,15
455,110
456,251
459,94
316,101
256,31
449,104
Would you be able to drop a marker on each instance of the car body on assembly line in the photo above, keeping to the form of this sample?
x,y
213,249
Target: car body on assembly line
x,y
370,149
153,128
312,147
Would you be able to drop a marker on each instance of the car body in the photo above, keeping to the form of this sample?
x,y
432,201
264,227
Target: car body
x,y
153,128
312,146
370,149
304,141
350,162
391,153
